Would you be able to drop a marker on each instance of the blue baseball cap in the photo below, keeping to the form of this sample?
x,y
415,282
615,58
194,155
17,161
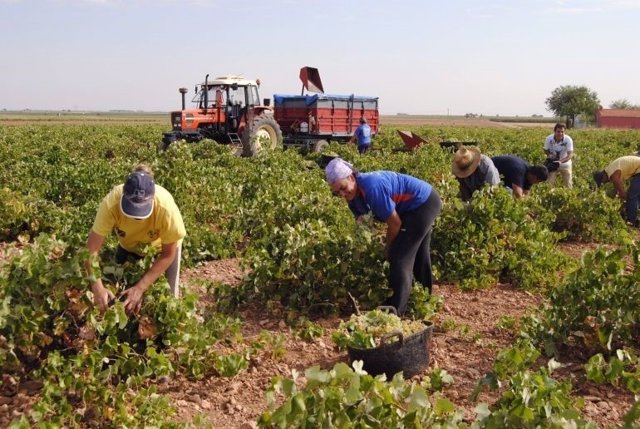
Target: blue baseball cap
x,y
137,195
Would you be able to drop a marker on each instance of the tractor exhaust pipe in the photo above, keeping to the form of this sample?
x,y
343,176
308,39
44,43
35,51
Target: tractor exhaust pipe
x,y
206,93
183,91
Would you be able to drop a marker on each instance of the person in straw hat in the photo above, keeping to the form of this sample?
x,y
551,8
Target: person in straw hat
x,y
409,207
473,170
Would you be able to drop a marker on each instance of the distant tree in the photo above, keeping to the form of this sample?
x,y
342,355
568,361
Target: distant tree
x,y
570,101
623,103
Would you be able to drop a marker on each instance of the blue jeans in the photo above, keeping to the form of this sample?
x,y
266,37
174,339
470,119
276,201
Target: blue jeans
x,y
633,196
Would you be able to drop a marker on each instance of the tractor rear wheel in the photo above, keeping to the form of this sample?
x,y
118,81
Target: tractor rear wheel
x,y
262,134
320,145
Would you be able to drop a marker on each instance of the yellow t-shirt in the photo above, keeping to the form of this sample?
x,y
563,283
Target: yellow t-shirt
x,y
164,226
628,166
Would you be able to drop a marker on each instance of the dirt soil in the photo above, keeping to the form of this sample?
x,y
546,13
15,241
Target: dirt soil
x,y
455,121
471,328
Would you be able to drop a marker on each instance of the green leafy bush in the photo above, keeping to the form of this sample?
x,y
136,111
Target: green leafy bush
x,y
51,332
597,306
310,264
593,219
529,398
346,397
534,400
623,368
493,238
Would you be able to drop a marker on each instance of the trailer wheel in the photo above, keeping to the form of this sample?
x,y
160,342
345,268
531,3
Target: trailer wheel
x,y
263,134
320,145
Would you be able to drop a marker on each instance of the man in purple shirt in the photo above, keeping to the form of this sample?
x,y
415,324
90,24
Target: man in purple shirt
x,y
409,207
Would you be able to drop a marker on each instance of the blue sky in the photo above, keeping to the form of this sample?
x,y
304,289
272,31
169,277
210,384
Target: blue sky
x,y
419,56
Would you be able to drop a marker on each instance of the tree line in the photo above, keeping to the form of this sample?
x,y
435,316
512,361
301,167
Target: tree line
x,y
570,101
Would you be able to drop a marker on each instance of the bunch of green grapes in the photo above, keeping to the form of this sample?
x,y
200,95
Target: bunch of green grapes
x,y
366,330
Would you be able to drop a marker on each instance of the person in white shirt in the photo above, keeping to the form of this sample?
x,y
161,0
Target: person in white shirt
x,y
559,150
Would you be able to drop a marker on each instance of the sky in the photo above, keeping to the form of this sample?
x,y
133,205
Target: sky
x,y
431,57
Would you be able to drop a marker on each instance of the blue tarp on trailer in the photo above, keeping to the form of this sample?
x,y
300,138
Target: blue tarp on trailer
x,y
309,100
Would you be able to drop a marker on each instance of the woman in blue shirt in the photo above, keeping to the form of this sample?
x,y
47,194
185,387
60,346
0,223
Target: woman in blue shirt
x,y
409,207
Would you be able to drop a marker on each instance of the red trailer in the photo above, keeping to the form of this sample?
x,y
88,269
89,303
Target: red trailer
x,y
313,121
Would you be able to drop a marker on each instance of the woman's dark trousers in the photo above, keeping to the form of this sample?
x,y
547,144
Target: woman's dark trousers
x,y
410,253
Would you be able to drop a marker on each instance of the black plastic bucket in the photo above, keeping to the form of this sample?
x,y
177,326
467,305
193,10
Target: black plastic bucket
x,y
409,354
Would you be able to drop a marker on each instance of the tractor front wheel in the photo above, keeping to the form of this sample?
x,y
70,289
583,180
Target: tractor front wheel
x,y
262,134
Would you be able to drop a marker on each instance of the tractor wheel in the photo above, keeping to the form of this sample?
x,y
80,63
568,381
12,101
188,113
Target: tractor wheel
x,y
320,145
263,134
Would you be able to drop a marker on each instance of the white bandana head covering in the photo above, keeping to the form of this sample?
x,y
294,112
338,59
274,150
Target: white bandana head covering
x,y
338,169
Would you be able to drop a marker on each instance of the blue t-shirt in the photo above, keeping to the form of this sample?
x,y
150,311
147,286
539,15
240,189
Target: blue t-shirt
x,y
363,134
514,170
382,192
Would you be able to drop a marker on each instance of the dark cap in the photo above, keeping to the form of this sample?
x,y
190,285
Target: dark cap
x,y
599,177
137,195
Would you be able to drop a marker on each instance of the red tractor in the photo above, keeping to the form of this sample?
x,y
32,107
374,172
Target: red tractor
x,y
227,110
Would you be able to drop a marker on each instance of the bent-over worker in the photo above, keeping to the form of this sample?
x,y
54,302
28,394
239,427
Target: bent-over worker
x,y
518,175
620,170
473,170
409,207
140,212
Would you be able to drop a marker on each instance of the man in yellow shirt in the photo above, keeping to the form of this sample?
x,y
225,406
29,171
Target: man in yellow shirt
x,y
141,213
618,172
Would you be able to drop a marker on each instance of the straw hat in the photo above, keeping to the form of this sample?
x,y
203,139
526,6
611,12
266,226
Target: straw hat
x,y
465,161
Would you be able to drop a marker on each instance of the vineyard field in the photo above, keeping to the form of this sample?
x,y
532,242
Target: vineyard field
x,y
536,304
